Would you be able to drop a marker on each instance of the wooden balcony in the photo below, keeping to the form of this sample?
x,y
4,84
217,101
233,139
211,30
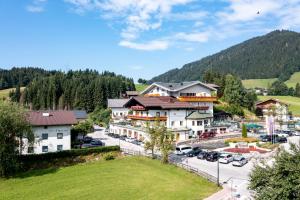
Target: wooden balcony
x,y
145,118
197,99
137,108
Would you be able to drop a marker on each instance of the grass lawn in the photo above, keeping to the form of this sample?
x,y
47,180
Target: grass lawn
x,y
140,87
294,102
125,178
261,83
295,78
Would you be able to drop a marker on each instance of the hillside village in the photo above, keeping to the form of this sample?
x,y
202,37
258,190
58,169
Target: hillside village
x,y
223,127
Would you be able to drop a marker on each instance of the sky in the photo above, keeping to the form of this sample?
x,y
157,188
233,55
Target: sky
x,y
136,38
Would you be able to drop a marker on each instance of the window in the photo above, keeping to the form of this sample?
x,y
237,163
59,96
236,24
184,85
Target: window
x,y
59,147
45,149
181,123
142,113
165,113
157,114
147,113
172,123
206,121
199,123
30,150
193,123
60,135
45,127
45,136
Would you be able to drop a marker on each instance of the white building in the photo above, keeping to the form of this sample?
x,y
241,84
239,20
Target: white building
x,y
118,111
274,107
52,131
185,108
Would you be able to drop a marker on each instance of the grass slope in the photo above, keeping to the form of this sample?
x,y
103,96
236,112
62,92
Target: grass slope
x,y
261,83
126,178
140,87
294,102
265,83
4,94
295,78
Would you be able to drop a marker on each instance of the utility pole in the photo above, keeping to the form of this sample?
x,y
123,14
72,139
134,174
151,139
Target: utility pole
x,y
218,172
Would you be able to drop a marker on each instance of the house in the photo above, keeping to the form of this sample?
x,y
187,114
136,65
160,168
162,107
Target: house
x,y
80,115
51,129
118,111
273,107
130,94
186,109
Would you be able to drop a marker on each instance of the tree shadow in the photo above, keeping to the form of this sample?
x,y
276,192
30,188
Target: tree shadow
x,y
36,172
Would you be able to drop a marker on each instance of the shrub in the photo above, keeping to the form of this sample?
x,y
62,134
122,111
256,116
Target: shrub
x,y
244,131
67,153
235,140
109,156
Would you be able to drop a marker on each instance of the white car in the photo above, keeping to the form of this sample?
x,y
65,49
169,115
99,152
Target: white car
x,y
239,161
225,158
182,149
128,139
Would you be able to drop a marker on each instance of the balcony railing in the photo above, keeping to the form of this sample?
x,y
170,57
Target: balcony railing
x,y
137,108
197,99
146,118
202,107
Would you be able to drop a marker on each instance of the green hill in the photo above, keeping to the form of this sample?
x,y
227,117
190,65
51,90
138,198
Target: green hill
x,y
4,94
265,83
276,54
294,102
140,87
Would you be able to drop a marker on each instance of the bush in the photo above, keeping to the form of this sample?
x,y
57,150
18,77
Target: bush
x,y
65,154
244,131
235,140
109,156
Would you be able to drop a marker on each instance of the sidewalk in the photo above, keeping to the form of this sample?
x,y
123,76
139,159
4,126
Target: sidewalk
x,y
224,194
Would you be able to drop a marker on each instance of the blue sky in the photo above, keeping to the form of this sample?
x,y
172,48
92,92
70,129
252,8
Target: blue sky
x,y
136,38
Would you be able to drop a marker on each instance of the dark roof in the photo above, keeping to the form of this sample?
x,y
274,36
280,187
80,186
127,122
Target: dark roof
x,y
51,118
199,115
270,100
132,93
163,102
116,103
178,86
80,114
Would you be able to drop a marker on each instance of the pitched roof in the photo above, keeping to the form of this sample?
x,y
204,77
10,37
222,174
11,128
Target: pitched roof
x,y
177,86
116,103
270,100
80,114
163,102
198,115
51,118
212,85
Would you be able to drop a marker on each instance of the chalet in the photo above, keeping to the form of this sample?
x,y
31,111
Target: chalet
x,y
273,107
118,111
52,131
186,109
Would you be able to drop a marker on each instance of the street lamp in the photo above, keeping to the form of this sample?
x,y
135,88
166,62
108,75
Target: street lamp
x,y
218,172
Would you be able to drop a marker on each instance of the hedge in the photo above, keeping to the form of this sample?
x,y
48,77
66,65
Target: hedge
x,y
235,140
66,153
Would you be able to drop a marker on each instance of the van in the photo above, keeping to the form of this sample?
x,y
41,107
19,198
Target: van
x,y
182,149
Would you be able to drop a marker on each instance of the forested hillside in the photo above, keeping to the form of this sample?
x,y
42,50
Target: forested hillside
x,y
21,76
75,89
275,55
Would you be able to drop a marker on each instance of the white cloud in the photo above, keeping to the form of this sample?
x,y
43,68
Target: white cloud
x,y
193,37
37,6
147,46
35,9
136,67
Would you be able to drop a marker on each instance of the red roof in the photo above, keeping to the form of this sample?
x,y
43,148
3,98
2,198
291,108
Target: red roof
x,y
51,118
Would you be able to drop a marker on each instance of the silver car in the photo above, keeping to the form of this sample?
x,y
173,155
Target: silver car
x,y
225,158
239,161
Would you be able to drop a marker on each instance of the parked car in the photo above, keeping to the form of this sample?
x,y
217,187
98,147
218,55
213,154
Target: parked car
x,y
123,137
182,149
202,155
135,141
297,133
194,152
225,158
239,161
264,138
93,143
127,139
87,139
281,140
212,156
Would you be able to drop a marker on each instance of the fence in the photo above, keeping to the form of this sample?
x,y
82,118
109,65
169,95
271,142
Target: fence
x,y
178,164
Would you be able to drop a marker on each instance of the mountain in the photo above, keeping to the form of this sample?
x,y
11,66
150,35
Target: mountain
x,y
274,55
